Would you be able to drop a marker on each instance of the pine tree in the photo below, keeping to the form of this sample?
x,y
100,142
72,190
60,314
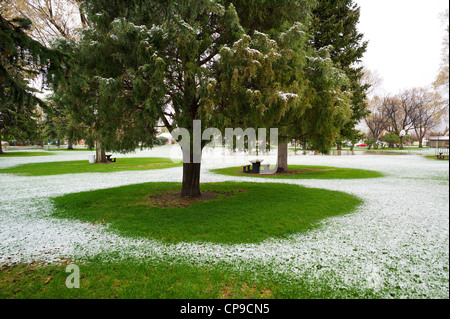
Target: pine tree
x,y
271,16
146,61
320,107
21,60
60,123
334,26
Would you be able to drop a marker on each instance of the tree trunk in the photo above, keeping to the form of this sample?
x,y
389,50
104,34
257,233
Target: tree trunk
x,y
283,158
339,147
82,15
1,148
70,146
401,142
191,180
303,146
420,136
100,153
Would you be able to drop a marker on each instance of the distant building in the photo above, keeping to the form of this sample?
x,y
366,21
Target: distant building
x,y
438,142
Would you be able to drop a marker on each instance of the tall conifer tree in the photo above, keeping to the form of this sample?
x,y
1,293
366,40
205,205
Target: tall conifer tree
x,y
145,61
334,26
320,108
23,59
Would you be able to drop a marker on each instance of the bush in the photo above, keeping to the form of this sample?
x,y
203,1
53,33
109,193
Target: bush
x,y
371,143
391,138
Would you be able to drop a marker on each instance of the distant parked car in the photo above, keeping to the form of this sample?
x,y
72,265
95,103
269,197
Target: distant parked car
x,y
348,144
361,145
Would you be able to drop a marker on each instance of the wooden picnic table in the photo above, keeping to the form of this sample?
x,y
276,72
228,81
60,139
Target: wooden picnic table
x,y
255,168
442,153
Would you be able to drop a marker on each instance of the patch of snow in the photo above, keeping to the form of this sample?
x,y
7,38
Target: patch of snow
x,y
287,96
396,244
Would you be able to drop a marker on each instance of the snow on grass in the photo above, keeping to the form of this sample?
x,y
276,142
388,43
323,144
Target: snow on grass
x,y
395,245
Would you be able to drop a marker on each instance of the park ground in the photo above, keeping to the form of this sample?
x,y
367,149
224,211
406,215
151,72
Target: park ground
x,y
394,245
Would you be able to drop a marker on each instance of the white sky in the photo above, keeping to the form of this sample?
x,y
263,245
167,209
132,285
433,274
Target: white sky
x,y
405,41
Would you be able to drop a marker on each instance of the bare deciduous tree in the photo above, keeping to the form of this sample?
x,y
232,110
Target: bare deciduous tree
x,y
429,108
373,79
442,80
399,113
441,83
375,121
418,109
50,18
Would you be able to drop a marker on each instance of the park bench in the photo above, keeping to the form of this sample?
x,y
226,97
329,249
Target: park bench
x,y
442,153
247,169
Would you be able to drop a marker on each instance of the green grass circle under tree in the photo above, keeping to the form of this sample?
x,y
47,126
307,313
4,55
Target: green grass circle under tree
x,y
77,167
241,213
307,172
25,154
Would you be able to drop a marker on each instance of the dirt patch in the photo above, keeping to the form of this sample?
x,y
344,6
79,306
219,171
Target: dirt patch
x,y
174,198
249,292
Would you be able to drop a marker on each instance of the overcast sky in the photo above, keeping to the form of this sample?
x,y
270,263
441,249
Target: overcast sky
x,y
405,40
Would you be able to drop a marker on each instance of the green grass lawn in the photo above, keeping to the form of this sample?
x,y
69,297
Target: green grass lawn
x,y
389,149
159,280
307,172
64,149
405,149
25,154
434,157
76,167
253,213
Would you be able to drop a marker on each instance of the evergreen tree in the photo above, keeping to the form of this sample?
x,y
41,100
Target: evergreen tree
x,y
146,61
60,124
320,107
334,25
22,59
18,121
271,16
149,61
